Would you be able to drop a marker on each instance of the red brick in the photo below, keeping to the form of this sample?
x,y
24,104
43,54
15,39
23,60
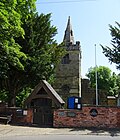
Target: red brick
x,y
107,117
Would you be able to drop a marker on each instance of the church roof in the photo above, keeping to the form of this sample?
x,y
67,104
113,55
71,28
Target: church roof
x,y
49,90
68,37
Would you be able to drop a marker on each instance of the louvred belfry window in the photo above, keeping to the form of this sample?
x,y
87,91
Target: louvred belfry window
x,y
65,59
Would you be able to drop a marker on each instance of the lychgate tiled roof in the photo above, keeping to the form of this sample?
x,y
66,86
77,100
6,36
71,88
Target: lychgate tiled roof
x,y
50,92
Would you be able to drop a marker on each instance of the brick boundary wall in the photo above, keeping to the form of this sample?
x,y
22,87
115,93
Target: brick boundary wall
x,y
107,117
24,119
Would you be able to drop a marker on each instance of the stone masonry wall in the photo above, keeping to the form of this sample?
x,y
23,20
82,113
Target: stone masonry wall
x,y
89,94
107,117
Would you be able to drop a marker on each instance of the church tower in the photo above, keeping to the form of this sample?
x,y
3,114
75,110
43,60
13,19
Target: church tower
x,y
68,72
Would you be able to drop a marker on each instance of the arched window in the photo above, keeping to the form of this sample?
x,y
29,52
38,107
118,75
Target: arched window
x,y
65,59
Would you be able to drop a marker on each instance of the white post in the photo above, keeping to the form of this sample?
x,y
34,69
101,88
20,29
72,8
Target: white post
x,y
96,77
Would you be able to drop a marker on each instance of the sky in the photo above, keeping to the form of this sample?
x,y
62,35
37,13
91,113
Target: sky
x,y
90,21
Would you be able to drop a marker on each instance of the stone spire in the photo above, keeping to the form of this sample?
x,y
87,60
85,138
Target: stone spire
x,y
68,37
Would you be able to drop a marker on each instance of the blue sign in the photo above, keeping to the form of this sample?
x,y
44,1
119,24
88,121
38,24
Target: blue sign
x,y
74,103
71,103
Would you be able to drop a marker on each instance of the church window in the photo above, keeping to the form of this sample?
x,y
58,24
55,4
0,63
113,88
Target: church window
x,y
65,59
65,89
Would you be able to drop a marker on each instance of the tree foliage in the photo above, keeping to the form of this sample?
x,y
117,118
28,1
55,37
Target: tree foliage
x,y
113,53
106,80
38,52
10,27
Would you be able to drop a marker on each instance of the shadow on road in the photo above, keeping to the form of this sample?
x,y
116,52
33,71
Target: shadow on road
x,y
111,131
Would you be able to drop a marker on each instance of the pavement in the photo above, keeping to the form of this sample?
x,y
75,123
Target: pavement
x,y
10,130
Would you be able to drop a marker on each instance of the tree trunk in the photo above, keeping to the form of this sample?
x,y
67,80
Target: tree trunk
x,y
12,99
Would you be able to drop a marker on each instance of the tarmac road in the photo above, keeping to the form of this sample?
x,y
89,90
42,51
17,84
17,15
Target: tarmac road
x,y
24,133
61,137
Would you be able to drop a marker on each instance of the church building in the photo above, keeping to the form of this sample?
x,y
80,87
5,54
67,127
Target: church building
x,y
68,72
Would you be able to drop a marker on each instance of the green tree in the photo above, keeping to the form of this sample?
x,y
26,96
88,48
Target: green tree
x,y
113,53
114,85
42,53
12,15
106,79
118,82
10,27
